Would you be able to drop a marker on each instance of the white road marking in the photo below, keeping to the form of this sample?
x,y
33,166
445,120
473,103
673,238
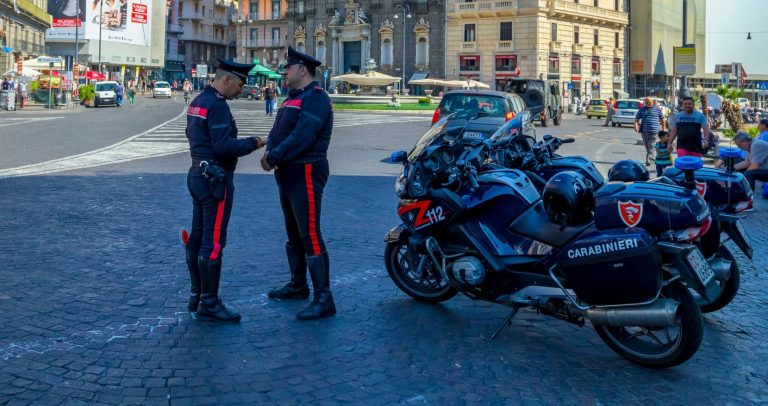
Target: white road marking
x,y
7,122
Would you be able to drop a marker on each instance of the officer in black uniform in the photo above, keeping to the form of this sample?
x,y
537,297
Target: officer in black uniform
x,y
214,146
297,149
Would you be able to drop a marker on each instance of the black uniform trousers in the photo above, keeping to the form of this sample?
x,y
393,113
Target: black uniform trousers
x,y
209,216
301,194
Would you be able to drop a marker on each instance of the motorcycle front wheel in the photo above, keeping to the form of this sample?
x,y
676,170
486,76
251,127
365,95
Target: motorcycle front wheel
x,y
660,348
427,286
727,289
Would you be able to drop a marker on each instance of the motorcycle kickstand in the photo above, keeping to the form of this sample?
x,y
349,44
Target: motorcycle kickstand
x,y
507,321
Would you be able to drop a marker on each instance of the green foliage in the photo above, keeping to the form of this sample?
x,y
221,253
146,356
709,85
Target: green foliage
x,y
86,92
729,93
425,100
752,131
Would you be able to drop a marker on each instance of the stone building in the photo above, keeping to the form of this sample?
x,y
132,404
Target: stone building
x,y
580,43
262,31
404,39
204,31
22,31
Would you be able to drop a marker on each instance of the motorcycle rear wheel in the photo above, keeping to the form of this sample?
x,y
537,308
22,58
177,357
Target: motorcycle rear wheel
x,y
728,289
428,287
646,347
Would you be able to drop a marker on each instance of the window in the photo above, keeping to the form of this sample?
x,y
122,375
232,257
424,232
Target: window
x,y
506,63
597,3
469,63
505,31
554,32
387,52
616,5
275,9
253,9
301,48
576,65
554,63
596,38
576,34
300,7
617,67
254,37
421,51
595,66
469,33
616,40
181,9
276,37
321,52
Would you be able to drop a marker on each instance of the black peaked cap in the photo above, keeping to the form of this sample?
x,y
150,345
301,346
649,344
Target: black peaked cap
x,y
238,69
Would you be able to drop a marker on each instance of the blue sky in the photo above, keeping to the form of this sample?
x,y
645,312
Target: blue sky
x,y
728,22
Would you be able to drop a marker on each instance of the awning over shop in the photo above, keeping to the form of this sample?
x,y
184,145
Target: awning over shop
x,y
367,79
418,76
174,66
264,71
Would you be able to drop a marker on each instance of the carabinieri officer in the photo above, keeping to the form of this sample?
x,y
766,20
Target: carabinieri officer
x,y
297,149
214,146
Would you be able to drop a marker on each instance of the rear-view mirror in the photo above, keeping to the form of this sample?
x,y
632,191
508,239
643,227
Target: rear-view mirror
x,y
398,156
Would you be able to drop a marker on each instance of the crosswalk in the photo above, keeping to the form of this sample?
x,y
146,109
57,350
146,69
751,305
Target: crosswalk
x,y
169,138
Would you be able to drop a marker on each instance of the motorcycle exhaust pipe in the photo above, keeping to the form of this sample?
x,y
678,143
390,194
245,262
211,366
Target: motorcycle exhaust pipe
x,y
722,268
659,314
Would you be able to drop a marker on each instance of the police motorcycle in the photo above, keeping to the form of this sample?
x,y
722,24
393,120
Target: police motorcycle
x,y
726,191
489,234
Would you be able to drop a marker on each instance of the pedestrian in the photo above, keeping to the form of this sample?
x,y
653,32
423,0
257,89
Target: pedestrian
x,y
756,165
610,107
663,157
119,95
762,128
297,149
131,92
215,148
691,130
269,98
649,120
175,85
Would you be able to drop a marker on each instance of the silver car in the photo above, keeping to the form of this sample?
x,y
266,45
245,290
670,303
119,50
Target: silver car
x,y
626,110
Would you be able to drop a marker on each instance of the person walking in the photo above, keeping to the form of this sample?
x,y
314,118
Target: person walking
x,y
609,116
119,94
270,94
649,120
297,149
663,157
131,92
215,149
691,130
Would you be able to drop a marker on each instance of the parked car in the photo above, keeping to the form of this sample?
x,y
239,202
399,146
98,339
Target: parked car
x,y
743,102
161,89
492,109
597,108
626,110
539,93
250,93
105,94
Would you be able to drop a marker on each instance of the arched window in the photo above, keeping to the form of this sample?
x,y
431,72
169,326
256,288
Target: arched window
x,y
321,51
387,52
301,48
422,49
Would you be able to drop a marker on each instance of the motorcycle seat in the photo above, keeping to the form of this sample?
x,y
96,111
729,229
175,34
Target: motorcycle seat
x,y
535,224
610,188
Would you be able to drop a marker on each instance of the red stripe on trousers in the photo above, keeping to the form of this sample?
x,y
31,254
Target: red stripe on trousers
x,y
311,203
217,228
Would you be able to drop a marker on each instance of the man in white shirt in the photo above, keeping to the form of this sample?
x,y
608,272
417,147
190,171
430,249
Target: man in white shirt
x,y
756,164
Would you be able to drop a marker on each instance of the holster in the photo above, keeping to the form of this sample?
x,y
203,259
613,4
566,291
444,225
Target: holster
x,y
216,176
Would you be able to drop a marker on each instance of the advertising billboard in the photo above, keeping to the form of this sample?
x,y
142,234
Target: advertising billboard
x,y
67,14
125,21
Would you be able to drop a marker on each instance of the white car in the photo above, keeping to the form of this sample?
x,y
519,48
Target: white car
x,y
105,94
743,102
161,89
626,110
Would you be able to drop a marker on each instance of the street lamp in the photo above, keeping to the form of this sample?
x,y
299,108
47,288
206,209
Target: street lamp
x,y
406,10
247,35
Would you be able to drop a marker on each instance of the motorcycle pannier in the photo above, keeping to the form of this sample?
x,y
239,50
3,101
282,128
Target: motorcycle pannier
x,y
612,267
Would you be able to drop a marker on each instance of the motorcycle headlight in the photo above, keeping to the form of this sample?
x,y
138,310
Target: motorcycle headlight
x,y
400,186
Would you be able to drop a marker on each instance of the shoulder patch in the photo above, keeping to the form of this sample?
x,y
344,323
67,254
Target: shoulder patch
x,y
292,103
197,111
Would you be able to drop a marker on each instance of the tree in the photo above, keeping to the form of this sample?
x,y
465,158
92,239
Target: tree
x,y
731,108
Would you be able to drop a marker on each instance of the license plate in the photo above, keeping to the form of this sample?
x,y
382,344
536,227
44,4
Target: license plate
x,y
475,135
743,231
700,266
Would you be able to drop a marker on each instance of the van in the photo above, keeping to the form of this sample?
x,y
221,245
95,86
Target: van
x,y
105,94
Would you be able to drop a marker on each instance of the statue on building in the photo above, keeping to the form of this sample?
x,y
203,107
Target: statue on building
x,y
335,19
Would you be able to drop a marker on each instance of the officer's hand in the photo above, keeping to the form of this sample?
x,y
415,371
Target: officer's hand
x,y
264,163
260,142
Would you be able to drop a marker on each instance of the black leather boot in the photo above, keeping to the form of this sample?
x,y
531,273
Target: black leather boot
x,y
194,280
322,304
211,308
297,288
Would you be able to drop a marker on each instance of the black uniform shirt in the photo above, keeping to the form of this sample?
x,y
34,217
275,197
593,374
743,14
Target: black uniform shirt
x,y
212,132
303,126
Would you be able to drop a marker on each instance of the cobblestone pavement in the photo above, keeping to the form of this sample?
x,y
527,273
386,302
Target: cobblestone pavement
x,y
93,312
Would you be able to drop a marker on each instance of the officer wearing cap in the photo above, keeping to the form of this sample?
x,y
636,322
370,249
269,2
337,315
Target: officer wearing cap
x,y
215,148
297,149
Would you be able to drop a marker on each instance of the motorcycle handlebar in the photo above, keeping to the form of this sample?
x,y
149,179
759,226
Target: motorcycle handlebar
x,y
567,140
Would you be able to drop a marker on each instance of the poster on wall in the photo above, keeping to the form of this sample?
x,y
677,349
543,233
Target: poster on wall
x,y
66,15
126,21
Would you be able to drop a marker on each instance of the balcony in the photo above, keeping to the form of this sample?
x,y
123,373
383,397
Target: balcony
x,y
191,16
274,43
596,49
577,48
567,9
222,22
468,46
222,3
504,8
174,29
618,52
210,39
504,45
29,8
554,46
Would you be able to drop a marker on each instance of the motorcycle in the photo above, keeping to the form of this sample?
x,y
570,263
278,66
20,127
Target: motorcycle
x,y
726,191
485,232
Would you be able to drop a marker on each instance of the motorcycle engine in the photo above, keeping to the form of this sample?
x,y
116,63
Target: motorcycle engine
x,y
469,270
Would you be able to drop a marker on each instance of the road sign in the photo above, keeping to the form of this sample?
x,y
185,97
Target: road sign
x,y
725,78
685,60
762,85
742,81
194,71
325,74
45,59
723,69
202,70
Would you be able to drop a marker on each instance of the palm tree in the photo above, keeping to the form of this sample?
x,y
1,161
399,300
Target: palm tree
x,y
731,108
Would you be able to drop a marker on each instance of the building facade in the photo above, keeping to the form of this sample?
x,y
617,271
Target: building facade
x,y
402,38
580,43
204,32
262,32
22,31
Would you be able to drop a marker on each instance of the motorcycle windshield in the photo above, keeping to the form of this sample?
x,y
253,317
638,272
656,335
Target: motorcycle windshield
x,y
511,128
435,133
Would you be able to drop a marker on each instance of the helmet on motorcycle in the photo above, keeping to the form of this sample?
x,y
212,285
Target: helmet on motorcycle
x,y
628,170
568,198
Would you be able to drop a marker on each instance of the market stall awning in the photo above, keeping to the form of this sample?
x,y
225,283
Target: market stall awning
x,y
368,79
25,72
44,63
468,84
264,71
